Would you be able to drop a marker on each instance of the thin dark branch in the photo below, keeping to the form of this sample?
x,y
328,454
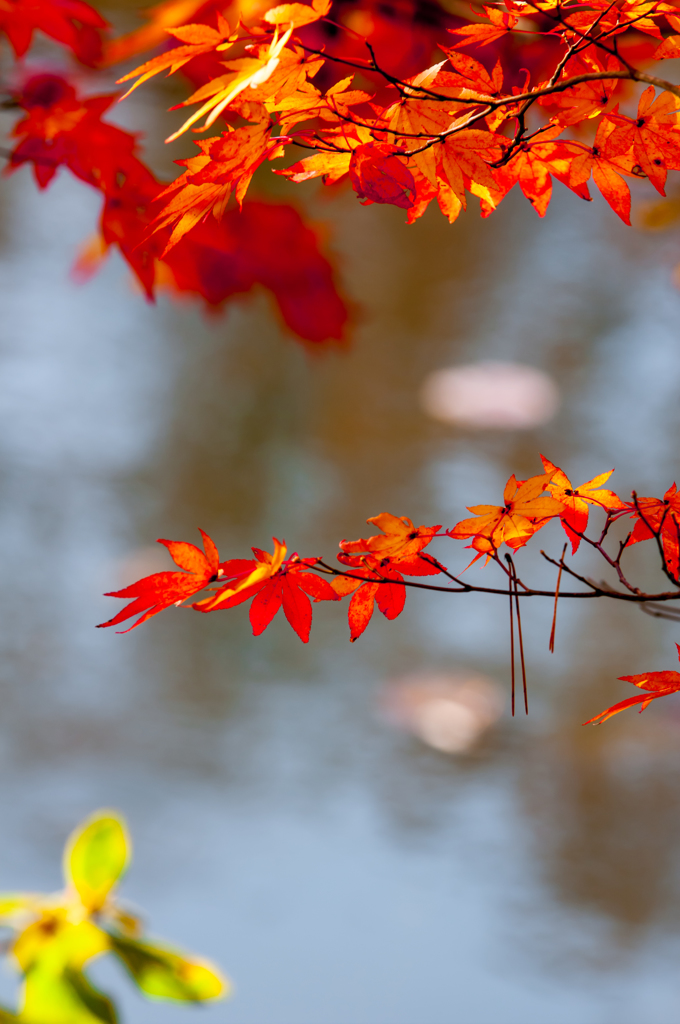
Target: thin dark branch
x,y
551,645
469,588
519,634
512,641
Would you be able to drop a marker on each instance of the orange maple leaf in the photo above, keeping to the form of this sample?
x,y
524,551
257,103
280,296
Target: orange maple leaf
x,y
481,34
330,166
227,163
670,47
154,593
378,588
588,99
298,15
463,163
470,73
653,137
399,538
577,499
198,39
656,684
513,523
607,166
249,72
532,166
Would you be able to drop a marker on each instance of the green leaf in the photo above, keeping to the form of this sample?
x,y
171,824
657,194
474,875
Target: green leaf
x,y
65,997
96,855
165,974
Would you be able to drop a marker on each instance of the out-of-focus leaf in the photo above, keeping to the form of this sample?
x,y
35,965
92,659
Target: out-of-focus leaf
x,y
96,855
63,997
55,943
165,974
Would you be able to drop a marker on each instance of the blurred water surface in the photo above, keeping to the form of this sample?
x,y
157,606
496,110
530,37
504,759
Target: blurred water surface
x,y
340,871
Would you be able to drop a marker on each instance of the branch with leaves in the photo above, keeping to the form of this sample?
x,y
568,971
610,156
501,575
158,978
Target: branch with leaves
x,y
455,127
377,570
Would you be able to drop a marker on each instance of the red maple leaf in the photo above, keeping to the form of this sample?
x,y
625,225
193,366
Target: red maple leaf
x,y
72,23
660,517
273,582
62,129
384,585
380,176
269,244
653,137
655,685
154,593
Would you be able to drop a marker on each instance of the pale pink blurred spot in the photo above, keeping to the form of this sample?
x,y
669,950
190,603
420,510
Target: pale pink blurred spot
x,y
491,396
449,712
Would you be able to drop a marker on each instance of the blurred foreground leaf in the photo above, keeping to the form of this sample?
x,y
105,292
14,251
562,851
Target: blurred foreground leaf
x,y
96,856
165,974
57,935
54,997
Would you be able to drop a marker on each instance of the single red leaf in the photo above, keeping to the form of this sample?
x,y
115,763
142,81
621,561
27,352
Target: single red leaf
x,y
296,607
265,605
162,589
655,685
316,586
361,609
390,597
378,176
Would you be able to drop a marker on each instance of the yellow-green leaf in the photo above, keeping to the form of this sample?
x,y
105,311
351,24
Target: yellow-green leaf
x,y
96,855
54,943
165,974
66,997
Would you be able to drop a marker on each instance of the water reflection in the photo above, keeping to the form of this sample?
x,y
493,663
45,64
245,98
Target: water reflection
x,y
450,713
339,871
490,395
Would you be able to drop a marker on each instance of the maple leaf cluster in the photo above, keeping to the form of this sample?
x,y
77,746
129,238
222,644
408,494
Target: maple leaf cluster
x,y
458,127
355,86
376,570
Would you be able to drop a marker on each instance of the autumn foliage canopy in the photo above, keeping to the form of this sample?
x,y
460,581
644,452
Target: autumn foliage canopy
x,y
407,104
